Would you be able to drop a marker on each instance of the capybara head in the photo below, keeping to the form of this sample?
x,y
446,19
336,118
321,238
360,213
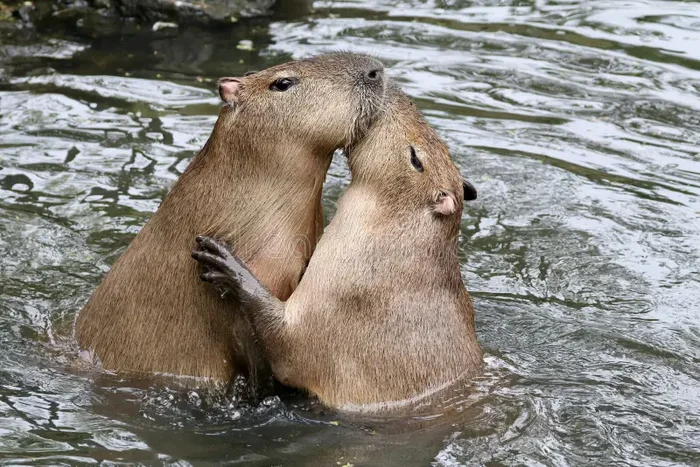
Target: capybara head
x,y
403,157
327,101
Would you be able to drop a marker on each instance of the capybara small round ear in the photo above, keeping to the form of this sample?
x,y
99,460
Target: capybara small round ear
x,y
446,204
469,191
229,89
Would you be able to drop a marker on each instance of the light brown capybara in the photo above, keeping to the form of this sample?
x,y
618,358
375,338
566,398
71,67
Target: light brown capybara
x,y
256,184
381,317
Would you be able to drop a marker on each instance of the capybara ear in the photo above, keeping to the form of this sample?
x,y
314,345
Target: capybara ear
x,y
229,89
445,204
469,191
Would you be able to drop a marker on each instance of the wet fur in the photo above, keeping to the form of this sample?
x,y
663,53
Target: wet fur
x,y
382,314
257,184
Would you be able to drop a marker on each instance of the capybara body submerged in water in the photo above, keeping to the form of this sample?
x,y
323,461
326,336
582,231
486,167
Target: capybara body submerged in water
x,y
381,316
256,184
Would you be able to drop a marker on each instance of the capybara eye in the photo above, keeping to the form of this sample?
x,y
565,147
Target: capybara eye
x,y
415,161
283,84
248,73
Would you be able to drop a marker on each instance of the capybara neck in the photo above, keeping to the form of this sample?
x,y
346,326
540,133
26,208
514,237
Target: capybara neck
x,y
278,182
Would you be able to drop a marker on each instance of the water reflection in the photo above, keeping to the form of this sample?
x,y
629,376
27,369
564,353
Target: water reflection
x,y
577,121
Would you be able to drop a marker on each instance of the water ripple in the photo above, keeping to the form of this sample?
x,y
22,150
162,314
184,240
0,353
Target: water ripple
x,y
579,124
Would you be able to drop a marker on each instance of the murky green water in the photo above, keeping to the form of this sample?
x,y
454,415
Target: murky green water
x,y
578,121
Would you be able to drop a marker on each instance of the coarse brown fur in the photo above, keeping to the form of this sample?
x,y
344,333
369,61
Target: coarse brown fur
x,y
257,184
381,316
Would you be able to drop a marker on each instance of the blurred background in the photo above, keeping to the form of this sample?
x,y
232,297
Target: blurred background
x,y
578,121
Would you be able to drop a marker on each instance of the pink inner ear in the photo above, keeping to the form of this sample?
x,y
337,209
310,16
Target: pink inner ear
x,y
229,89
446,205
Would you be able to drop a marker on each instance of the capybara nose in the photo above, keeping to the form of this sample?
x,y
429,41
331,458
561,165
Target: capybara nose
x,y
369,72
469,191
375,74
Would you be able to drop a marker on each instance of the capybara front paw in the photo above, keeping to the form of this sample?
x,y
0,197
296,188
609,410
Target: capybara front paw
x,y
215,258
212,245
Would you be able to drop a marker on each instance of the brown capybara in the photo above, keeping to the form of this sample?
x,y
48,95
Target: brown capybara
x,y
381,317
256,184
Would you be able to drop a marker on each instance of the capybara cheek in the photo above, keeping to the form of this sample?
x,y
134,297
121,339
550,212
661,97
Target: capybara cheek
x,y
230,90
446,204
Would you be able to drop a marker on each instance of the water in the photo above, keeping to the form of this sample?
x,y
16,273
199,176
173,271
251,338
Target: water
x,y
579,123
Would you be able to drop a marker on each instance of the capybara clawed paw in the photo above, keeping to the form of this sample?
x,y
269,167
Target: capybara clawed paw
x,y
216,261
215,246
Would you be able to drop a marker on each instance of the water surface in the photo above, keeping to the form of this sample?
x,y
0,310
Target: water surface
x,y
579,123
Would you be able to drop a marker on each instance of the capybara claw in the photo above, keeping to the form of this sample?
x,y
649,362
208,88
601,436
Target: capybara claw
x,y
214,246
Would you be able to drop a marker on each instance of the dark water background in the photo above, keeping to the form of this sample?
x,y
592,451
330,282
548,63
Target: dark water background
x,y
578,121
